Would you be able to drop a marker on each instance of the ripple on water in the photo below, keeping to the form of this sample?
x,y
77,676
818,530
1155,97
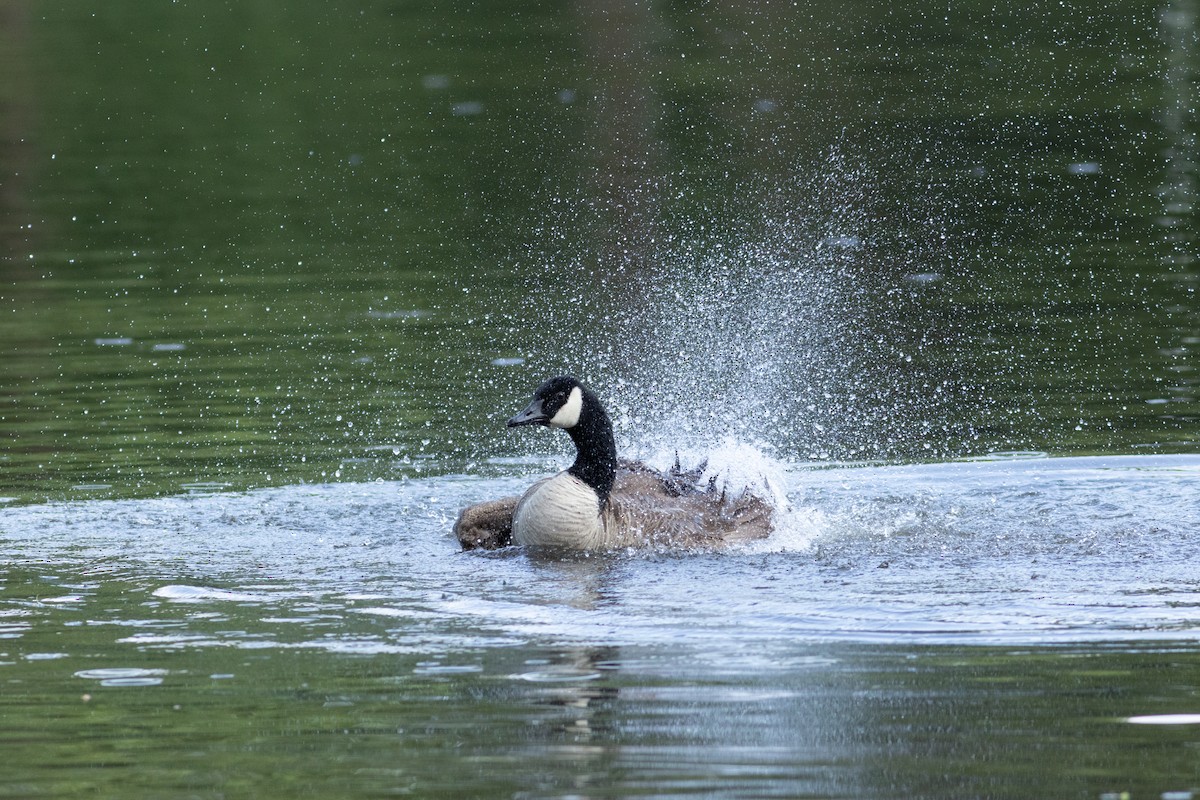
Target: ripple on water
x,y
403,313
1165,719
437,668
204,487
558,675
182,593
1011,455
65,599
123,676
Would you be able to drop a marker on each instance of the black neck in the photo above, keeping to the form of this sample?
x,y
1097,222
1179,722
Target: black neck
x,y
596,450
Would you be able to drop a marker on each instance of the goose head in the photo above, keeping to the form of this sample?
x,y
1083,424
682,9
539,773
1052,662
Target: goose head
x,y
557,403
563,402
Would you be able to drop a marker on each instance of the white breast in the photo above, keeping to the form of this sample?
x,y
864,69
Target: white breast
x,y
562,511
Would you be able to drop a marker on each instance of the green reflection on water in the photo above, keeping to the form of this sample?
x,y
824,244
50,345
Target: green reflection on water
x,y
217,716
319,229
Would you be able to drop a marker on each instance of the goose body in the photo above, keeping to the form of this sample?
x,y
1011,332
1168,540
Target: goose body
x,y
562,512
601,503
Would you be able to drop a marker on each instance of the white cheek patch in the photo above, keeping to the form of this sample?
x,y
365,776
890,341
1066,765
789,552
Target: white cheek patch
x,y
568,415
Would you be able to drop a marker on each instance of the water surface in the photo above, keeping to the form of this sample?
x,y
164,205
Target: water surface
x,y
1026,608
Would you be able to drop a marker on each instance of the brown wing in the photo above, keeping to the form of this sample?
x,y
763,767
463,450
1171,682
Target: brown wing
x,y
698,519
486,525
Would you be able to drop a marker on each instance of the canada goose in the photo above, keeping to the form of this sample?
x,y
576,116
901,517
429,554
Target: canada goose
x,y
602,503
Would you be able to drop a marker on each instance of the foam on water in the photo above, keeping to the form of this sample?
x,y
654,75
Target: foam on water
x,y
731,463
738,467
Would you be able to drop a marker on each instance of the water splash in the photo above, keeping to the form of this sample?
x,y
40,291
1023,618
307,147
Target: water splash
x,y
787,323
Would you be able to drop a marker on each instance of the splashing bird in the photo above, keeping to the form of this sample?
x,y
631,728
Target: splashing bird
x,y
601,502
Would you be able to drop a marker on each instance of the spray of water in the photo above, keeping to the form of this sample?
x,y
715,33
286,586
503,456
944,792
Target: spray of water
x,y
774,323
782,328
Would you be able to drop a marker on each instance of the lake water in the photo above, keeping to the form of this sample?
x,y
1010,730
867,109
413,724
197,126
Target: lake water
x,y
271,283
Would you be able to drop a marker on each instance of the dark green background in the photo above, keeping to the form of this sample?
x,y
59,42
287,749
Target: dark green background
x,y
344,214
